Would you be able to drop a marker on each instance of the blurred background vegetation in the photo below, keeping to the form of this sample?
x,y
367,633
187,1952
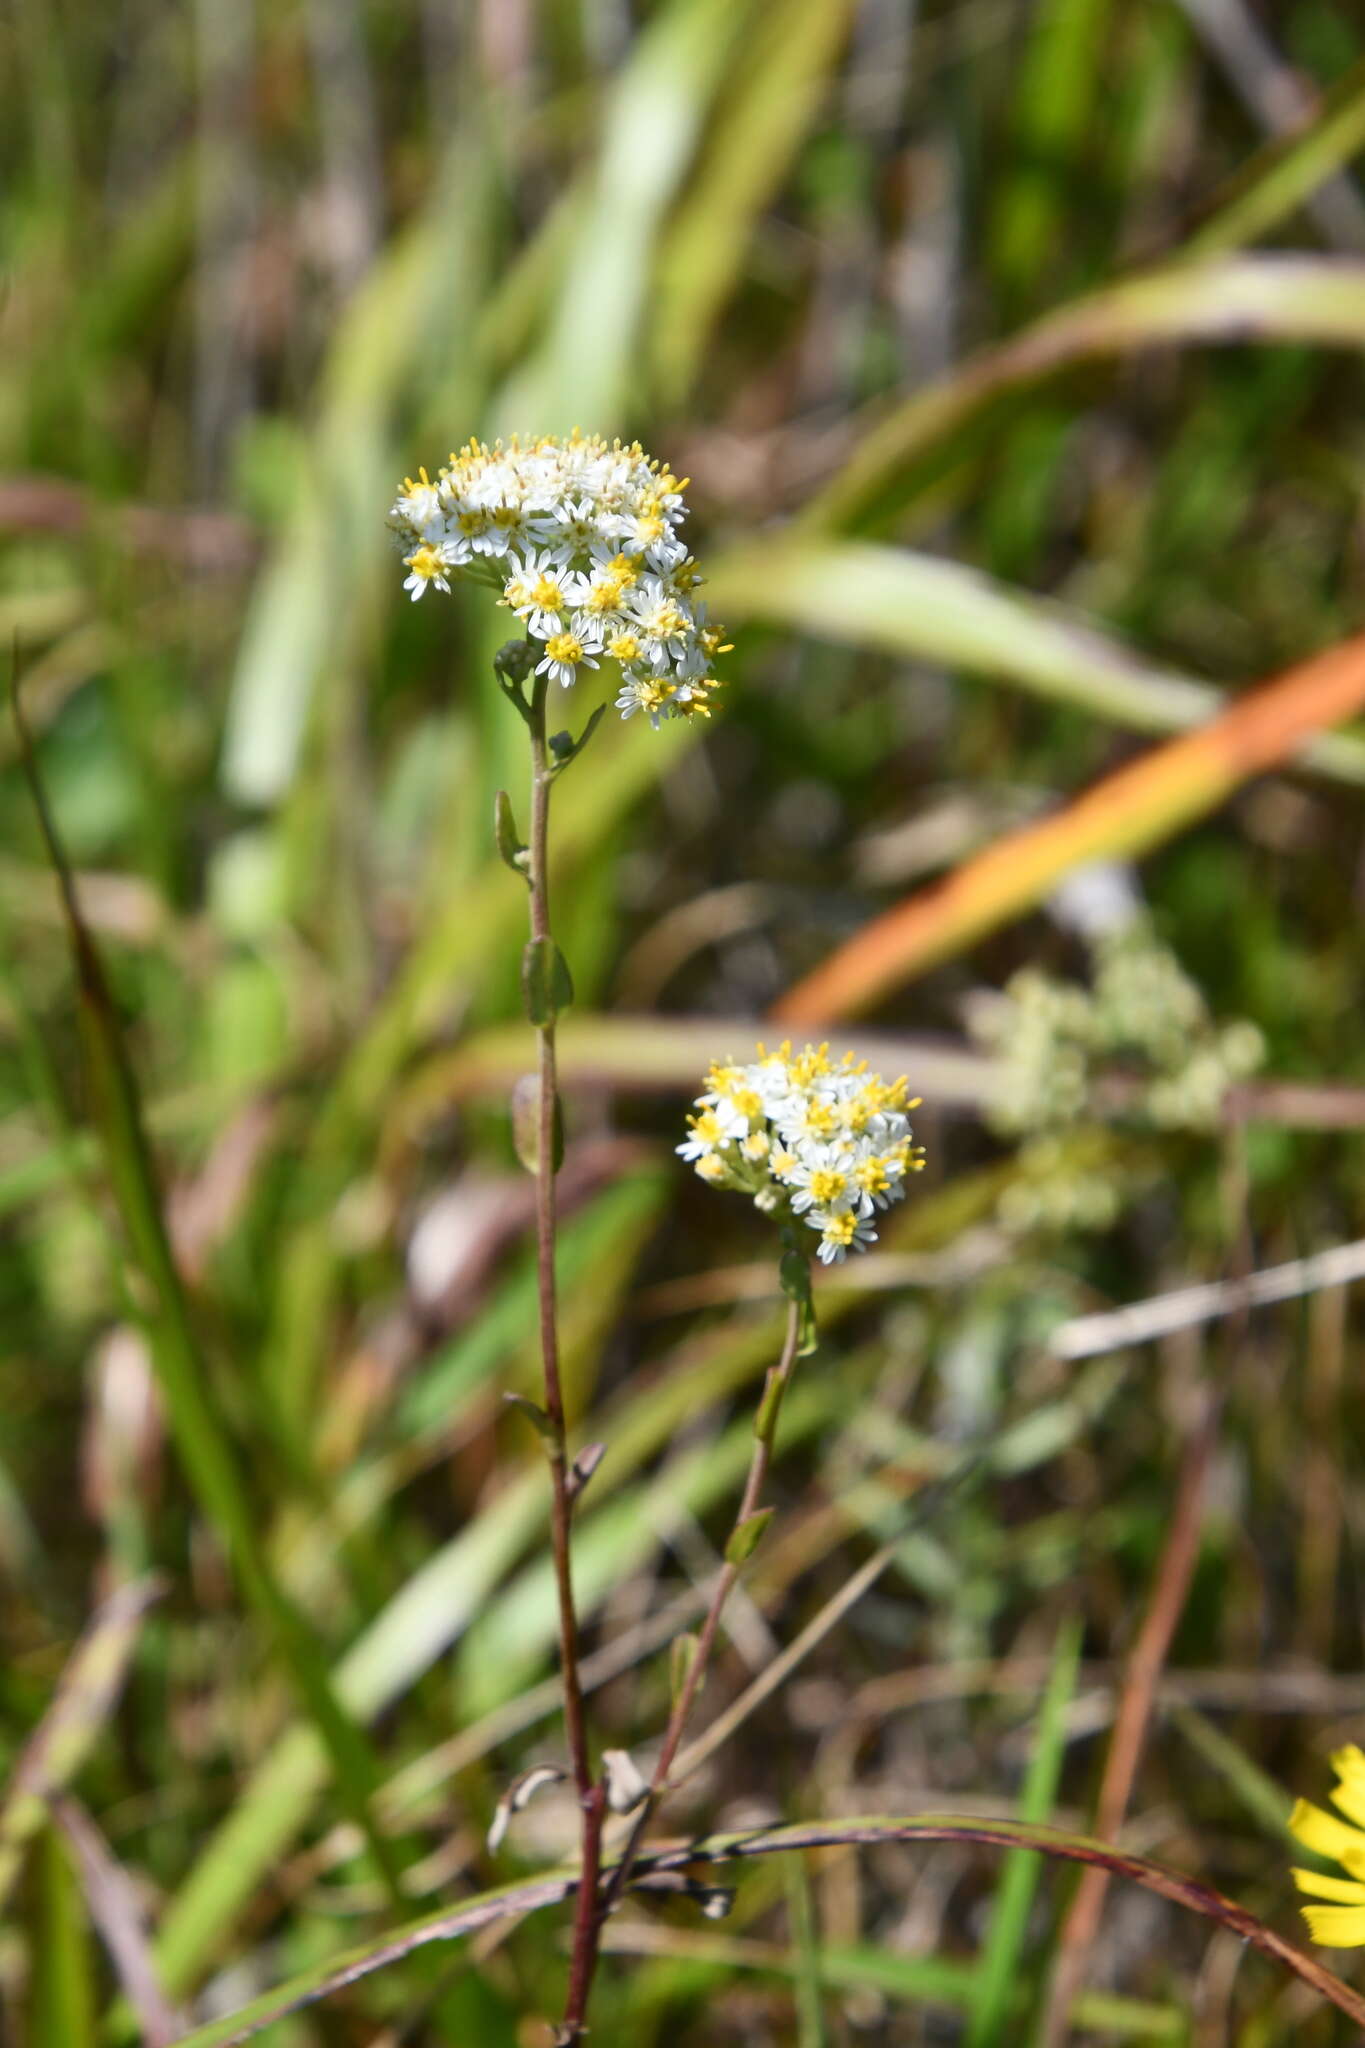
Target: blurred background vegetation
x,y
1013,349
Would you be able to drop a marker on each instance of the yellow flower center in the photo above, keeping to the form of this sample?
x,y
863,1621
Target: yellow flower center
x,y
827,1184
565,647
665,620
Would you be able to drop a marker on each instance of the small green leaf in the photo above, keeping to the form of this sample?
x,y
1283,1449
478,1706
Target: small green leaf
x,y
536,1416
746,1536
511,848
793,1273
546,984
682,1656
526,1125
583,1467
765,1416
565,748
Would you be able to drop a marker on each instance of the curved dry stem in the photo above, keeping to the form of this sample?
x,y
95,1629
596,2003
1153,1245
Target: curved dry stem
x,y
516,1900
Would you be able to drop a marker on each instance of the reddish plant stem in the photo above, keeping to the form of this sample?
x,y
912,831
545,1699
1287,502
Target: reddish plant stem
x,y
591,1797
765,1433
1174,1573
587,1926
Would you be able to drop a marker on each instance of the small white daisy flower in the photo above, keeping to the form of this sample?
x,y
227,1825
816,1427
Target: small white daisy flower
x,y
564,655
427,565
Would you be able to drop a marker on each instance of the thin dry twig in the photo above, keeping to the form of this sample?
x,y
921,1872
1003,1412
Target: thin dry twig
x,y
117,1913
765,1433
1142,1321
1174,1573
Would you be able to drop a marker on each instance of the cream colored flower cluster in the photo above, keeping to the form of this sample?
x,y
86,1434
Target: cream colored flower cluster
x,y
581,536
827,1142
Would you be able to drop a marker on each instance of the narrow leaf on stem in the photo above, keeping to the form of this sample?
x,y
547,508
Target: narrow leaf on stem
x,y
626,1784
520,1793
682,1655
746,1536
765,1417
511,848
546,984
793,1273
536,1416
583,1467
526,1125
565,748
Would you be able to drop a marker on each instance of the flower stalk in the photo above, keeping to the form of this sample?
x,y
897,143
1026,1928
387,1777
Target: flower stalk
x,y
547,986
749,1526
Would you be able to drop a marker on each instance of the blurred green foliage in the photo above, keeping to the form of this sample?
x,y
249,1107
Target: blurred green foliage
x,y
1012,347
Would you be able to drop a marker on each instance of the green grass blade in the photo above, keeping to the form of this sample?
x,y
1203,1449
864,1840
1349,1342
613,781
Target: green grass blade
x,y
997,1981
1254,1790
658,104
326,573
862,594
1247,300
62,1995
810,2018
756,134
1282,176
914,1979
1054,106
201,1438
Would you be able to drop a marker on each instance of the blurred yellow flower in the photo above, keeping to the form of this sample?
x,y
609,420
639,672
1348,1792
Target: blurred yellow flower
x,y
1340,1924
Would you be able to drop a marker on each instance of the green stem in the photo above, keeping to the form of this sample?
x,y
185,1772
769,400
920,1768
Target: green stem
x,y
591,1796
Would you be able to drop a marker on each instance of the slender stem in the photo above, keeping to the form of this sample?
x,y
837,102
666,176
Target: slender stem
x,y
765,1433
591,1797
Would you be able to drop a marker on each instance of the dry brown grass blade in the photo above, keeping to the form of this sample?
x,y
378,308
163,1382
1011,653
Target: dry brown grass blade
x,y
1125,814
654,1868
116,1911
85,1696
1179,1556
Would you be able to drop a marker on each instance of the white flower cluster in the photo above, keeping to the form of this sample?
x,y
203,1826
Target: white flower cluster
x,y
828,1142
581,536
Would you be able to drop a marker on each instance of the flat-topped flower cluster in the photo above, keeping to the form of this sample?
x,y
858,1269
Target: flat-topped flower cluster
x,y
805,1135
581,536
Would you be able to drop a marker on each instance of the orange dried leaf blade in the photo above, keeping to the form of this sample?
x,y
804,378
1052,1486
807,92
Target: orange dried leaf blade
x,y
1125,814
